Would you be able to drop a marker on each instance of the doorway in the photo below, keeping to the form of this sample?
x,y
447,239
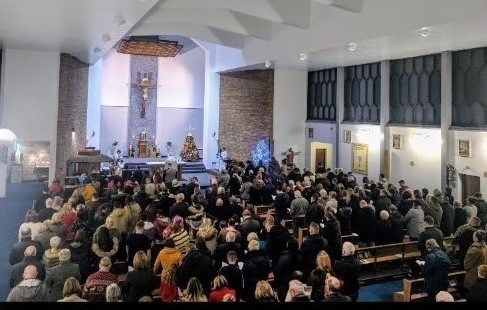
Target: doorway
x,y
470,185
320,157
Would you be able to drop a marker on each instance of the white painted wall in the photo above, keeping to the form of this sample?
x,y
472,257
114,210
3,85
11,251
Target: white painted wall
x,y
181,80
474,165
323,133
418,160
290,97
93,109
211,105
30,97
363,134
115,79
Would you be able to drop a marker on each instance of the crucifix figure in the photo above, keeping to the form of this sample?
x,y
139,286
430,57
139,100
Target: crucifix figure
x,y
144,85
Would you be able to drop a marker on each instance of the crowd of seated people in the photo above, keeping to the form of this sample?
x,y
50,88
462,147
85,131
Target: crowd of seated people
x,y
141,239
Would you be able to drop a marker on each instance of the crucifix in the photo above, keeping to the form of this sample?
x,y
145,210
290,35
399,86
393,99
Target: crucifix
x,y
144,85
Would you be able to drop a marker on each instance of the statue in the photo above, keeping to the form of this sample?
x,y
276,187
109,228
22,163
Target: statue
x,y
144,86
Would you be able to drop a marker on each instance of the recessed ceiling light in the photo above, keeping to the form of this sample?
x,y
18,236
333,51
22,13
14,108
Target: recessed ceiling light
x,y
352,46
303,56
268,63
424,32
96,50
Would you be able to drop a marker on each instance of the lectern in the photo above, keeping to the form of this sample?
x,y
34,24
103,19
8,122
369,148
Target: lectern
x,y
143,149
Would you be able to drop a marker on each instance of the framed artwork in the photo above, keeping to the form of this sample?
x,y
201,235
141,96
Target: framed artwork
x,y
464,148
360,158
396,141
347,136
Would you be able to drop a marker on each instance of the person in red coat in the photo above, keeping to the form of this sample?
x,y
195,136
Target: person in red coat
x,y
220,289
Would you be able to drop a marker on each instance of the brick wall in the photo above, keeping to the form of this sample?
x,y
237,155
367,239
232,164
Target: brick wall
x,y
246,103
72,109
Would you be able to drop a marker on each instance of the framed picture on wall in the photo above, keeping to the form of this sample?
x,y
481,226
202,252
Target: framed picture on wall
x,y
396,141
360,158
464,148
347,136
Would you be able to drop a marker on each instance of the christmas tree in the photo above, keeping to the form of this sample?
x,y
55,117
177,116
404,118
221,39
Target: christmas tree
x,y
189,151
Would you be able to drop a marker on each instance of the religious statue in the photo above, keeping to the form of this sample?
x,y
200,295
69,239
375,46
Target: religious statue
x,y
144,85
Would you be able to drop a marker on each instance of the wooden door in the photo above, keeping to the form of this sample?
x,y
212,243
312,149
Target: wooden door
x,y
320,157
470,185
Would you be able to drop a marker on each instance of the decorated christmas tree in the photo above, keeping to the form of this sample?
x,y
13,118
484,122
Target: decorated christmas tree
x,y
189,151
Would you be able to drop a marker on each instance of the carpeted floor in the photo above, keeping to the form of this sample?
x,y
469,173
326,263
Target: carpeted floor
x,y
20,197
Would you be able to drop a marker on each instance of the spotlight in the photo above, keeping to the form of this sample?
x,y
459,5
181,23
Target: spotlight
x,y
268,63
352,46
303,56
424,32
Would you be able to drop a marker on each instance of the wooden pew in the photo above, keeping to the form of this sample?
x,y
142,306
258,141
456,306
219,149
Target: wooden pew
x,y
412,288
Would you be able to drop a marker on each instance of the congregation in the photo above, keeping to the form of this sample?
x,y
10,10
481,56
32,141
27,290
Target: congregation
x,y
146,238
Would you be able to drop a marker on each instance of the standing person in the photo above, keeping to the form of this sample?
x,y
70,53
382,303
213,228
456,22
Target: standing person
x,y
58,275
30,289
348,270
476,256
435,269
96,284
72,291
290,157
141,281
477,292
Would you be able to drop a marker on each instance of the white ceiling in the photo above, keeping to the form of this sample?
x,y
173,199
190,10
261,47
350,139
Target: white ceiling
x,y
278,30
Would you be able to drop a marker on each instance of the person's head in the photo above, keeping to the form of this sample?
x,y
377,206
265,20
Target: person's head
x,y
314,228
444,296
429,221
474,221
323,261
31,216
246,213
263,290
140,260
348,249
431,244
25,232
71,287
146,298
55,242
30,251
105,264
64,255
113,293
253,245
482,271
332,285
30,272
170,243
480,236
252,236
194,287
384,215
229,298
232,257
230,236
219,282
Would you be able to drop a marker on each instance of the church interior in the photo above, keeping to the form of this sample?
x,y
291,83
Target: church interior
x,y
373,87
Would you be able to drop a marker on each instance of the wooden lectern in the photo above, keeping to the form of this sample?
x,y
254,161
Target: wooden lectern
x,y
143,149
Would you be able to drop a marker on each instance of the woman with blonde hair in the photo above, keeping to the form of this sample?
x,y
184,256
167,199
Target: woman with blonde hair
x,y
194,292
318,275
220,288
209,233
264,292
141,281
168,287
72,291
58,227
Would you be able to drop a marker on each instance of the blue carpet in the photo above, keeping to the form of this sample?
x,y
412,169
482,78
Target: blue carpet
x,y
379,292
12,214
